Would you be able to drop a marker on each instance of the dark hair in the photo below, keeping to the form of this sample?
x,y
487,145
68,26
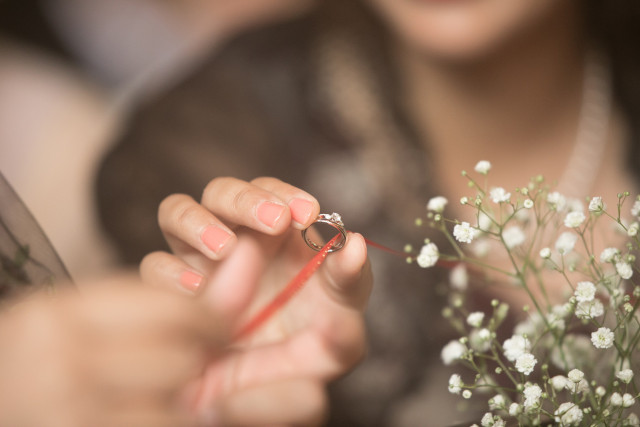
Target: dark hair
x,y
614,25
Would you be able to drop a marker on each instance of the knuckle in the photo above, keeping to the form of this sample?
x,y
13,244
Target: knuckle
x,y
153,264
239,198
214,186
169,204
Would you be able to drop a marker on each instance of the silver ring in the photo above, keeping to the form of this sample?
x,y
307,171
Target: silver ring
x,y
335,221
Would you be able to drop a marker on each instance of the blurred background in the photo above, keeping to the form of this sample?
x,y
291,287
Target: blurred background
x,y
71,70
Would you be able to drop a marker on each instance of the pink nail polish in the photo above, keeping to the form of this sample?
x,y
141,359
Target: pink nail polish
x,y
190,281
269,213
215,238
300,210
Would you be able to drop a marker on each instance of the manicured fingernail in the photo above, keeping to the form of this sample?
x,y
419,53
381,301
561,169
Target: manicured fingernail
x,y
190,281
269,213
301,210
215,238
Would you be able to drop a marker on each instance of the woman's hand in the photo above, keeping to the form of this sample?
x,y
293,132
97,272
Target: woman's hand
x,y
237,249
117,355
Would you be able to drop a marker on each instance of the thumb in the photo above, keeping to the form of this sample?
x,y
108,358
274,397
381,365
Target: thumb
x,y
346,273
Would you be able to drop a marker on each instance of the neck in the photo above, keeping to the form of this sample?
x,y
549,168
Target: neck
x,y
525,95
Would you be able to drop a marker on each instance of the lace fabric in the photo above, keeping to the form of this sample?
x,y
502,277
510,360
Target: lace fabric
x,y
27,257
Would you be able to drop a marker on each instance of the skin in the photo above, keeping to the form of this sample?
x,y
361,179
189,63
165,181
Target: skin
x,y
121,353
500,80
317,337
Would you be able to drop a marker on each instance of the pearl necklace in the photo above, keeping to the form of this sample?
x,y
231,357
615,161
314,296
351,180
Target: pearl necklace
x,y
593,126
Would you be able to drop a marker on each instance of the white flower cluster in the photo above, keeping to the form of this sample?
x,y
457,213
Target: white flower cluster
x,y
571,359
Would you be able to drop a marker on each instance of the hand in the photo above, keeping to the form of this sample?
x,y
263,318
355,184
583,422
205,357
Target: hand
x,y
117,355
239,247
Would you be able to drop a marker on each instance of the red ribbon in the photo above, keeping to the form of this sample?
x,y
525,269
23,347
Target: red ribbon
x,y
289,291
301,278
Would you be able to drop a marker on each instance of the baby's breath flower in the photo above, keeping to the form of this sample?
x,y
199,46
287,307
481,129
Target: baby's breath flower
x,y
499,195
558,382
453,351
428,256
455,384
576,387
532,393
513,236
475,319
575,205
589,309
568,414
574,219
632,420
628,400
624,270
609,254
585,291
625,375
459,277
528,203
437,204
480,339
602,338
481,248
545,253
632,231
467,394
635,209
483,167
515,346
596,204
525,363
490,420
497,402
615,399
566,242
556,201
487,420
464,200
575,375
601,391
464,232
484,222
514,409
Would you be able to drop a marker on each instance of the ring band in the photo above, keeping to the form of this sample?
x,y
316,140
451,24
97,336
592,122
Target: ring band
x,y
335,221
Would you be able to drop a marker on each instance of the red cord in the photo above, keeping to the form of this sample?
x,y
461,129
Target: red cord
x,y
301,278
289,291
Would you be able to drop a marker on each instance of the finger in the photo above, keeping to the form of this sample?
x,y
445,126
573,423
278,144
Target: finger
x,y
289,402
120,306
188,225
316,352
239,202
347,273
156,416
161,269
139,366
304,208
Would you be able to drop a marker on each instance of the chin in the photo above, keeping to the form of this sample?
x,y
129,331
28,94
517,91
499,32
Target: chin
x,y
462,30
455,44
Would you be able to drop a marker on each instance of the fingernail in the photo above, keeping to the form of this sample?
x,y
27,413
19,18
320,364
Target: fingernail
x,y
215,238
269,213
300,210
190,280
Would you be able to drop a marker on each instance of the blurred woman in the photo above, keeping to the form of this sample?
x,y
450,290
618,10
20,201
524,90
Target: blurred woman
x,y
373,106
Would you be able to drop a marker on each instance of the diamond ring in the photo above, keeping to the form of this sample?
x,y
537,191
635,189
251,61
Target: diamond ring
x,y
335,221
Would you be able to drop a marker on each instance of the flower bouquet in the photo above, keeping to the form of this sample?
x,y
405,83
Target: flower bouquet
x,y
559,341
